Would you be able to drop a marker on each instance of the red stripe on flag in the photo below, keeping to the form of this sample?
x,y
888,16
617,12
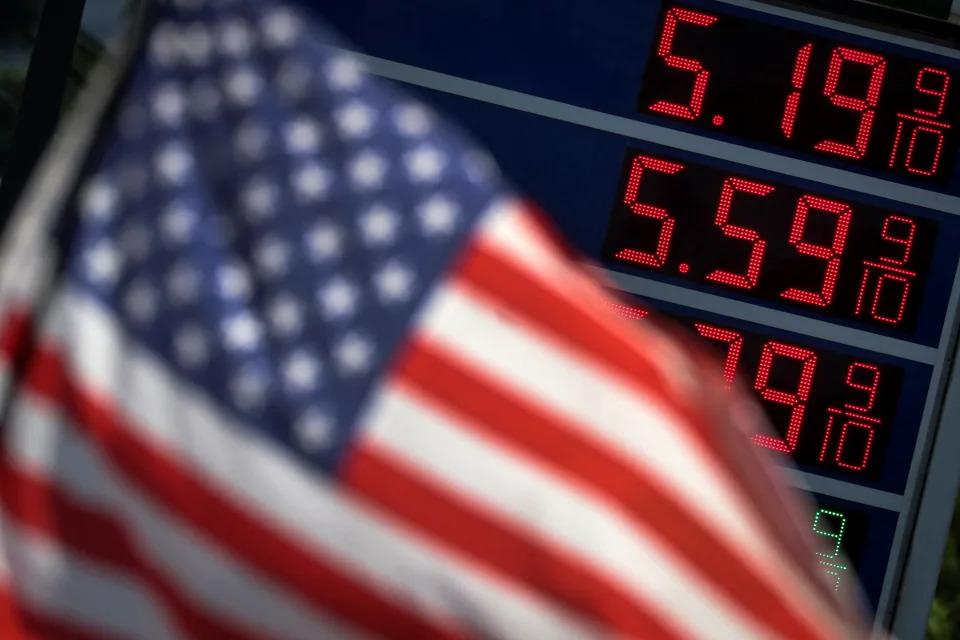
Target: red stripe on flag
x,y
521,558
12,623
44,627
44,508
494,409
495,278
180,491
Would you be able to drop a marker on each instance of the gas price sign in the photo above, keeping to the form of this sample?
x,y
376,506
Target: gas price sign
x,y
783,186
772,241
797,90
835,411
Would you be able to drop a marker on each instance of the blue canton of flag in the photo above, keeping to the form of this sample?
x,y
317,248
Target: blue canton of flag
x,y
266,218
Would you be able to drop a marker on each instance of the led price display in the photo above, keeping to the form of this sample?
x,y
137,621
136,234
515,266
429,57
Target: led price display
x,y
840,535
771,241
830,410
799,91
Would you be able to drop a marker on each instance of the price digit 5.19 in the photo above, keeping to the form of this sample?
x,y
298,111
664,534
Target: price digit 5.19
x,y
916,138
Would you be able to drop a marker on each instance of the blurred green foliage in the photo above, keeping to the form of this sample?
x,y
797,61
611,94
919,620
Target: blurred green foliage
x,y
944,621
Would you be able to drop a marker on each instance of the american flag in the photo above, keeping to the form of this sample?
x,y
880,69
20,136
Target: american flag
x,y
285,357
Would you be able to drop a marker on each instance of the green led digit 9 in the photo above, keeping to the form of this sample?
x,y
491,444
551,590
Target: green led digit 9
x,y
831,568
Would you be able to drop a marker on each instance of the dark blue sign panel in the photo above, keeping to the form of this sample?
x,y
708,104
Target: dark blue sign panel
x,y
721,70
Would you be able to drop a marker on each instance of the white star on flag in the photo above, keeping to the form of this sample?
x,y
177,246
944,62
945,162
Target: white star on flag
x,y
353,354
174,163
324,242
438,216
249,387
234,37
367,171
183,283
169,104
280,28
300,371
285,315
234,281
259,197
141,302
177,222
312,181
314,430
425,164
191,346
103,263
243,86
338,298
394,282
242,332
344,73
302,135
164,44
355,120
412,120
98,199
272,256
379,225
196,44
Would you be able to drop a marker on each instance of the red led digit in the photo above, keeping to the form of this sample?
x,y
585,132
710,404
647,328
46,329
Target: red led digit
x,y
927,126
748,280
659,257
826,437
870,388
798,400
866,106
910,230
860,466
734,343
941,93
793,100
831,254
935,163
904,292
634,313
692,109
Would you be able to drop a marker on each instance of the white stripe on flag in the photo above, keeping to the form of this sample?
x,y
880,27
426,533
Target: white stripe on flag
x,y
609,412
522,494
510,232
40,443
258,476
606,410
65,587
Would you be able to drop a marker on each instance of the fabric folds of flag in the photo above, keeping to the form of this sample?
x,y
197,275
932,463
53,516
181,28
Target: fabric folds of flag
x,y
284,357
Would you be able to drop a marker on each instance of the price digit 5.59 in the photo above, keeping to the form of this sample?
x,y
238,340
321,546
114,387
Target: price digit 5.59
x,y
658,257
690,110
